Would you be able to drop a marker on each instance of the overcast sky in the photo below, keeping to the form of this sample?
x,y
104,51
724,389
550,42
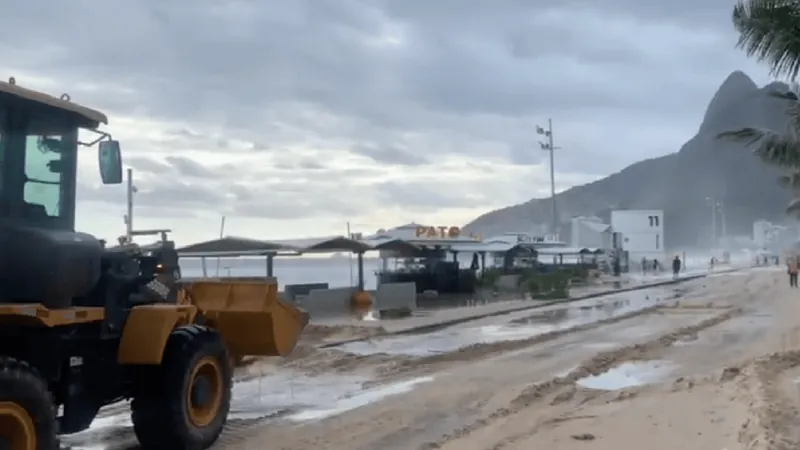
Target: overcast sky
x,y
292,117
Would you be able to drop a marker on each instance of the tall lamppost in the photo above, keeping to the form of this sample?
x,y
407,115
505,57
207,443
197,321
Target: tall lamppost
x,y
548,146
717,208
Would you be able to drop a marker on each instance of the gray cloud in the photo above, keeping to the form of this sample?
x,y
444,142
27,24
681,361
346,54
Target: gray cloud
x,y
141,163
390,154
276,198
426,197
328,104
188,167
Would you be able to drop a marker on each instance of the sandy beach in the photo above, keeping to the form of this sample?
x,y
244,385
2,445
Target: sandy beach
x,y
706,364
727,365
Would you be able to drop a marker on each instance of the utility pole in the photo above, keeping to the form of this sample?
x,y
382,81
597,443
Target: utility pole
x,y
131,189
129,215
550,147
713,204
350,256
723,222
221,235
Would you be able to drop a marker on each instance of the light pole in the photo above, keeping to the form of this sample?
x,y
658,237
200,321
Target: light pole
x,y
550,147
716,207
131,189
357,236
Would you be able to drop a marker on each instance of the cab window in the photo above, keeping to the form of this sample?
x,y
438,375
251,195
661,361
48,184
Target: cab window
x,y
43,163
45,187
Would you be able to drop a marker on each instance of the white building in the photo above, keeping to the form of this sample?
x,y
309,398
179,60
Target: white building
x,y
766,234
642,233
769,236
589,232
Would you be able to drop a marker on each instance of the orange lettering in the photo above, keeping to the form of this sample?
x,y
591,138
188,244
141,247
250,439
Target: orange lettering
x,y
453,232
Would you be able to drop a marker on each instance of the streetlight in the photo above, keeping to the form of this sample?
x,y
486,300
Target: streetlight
x,y
550,147
131,189
716,207
723,222
356,236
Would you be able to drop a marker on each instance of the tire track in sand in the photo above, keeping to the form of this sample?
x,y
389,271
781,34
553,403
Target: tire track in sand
x,y
563,388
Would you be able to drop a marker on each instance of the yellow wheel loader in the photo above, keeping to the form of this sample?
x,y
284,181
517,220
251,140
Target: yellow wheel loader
x,y
83,326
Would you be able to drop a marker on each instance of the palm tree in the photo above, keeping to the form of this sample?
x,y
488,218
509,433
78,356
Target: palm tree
x,y
770,31
776,148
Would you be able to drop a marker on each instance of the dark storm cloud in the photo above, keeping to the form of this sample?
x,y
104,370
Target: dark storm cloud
x,y
401,82
455,57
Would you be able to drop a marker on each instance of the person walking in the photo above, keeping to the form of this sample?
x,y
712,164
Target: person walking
x,y
792,270
676,267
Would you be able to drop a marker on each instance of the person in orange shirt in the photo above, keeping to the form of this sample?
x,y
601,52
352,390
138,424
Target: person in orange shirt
x,y
792,270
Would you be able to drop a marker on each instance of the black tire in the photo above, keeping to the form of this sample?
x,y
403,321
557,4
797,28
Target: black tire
x,y
160,409
22,385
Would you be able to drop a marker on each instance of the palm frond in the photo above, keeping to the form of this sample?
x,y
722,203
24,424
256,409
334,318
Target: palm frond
x,y
793,106
783,151
786,181
790,181
793,112
771,147
794,206
770,31
746,136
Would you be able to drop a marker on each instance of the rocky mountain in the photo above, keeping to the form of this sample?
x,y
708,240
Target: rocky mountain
x,y
679,183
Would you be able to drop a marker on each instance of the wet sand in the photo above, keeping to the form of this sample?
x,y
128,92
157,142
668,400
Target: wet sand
x,y
711,363
689,382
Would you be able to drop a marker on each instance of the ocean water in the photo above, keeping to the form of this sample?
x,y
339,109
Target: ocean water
x,y
337,272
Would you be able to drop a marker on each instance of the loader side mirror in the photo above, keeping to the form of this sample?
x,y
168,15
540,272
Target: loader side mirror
x,y
110,160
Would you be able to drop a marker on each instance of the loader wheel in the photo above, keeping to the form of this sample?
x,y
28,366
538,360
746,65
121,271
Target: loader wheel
x,y
184,403
27,416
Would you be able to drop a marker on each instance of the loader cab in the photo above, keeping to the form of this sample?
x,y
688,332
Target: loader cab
x,y
39,140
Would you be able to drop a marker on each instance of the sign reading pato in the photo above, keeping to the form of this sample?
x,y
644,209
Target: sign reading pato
x,y
439,232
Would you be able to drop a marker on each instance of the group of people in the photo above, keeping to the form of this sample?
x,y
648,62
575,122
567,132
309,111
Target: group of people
x,y
677,264
650,266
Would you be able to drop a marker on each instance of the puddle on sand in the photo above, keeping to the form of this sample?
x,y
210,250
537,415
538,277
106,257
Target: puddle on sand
x,y
295,397
517,326
628,375
283,393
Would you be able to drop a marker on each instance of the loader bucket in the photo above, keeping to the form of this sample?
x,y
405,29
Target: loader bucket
x,y
248,313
